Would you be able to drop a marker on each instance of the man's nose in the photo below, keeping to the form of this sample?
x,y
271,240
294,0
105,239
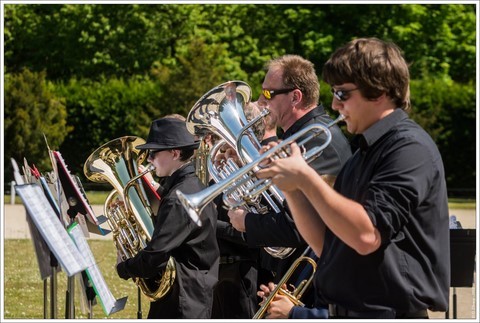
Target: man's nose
x,y
336,104
261,100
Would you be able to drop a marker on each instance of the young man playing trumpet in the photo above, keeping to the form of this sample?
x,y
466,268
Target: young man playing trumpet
x,y
382,232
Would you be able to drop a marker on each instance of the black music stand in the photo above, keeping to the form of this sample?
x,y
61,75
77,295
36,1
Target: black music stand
x,y
462,261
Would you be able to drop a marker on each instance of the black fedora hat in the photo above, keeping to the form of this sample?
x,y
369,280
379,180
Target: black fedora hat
x,y
169,133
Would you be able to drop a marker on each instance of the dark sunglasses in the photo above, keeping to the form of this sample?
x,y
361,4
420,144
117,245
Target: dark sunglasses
x,y
151,153
269,94
342,95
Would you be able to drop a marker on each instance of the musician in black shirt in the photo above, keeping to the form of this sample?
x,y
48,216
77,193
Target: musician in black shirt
x,y
290,91
382,232
193,248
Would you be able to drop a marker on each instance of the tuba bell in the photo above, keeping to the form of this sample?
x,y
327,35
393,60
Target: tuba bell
x,y
221,111
127,207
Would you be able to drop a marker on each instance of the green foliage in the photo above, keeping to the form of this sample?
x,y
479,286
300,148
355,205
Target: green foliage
x,y
199,68
32,110
121,66
88,40
446,109
104,110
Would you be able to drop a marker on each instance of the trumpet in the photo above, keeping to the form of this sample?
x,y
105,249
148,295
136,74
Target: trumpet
x,y
195,203
296,294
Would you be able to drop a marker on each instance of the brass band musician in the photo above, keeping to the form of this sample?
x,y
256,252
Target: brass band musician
x,y
382,232
193,248
291,93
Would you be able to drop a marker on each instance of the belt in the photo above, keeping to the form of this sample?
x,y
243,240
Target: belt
x,y
232,259
336,311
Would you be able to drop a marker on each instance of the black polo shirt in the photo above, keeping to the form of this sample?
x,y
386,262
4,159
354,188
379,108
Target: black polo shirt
x,y
397,175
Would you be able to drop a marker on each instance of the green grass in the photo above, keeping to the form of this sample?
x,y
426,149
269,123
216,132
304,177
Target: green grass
x,y
455,203
23,286
97,197
94,197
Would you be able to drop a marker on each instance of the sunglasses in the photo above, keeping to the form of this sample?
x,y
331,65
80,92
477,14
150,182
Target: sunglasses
x,y
269,94
342,95
151,153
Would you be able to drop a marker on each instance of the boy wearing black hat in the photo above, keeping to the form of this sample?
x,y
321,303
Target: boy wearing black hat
x,y
193,248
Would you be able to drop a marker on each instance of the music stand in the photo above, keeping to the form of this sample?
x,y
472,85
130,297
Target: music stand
x,y
462,261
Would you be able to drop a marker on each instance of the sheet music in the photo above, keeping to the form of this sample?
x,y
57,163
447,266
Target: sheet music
x,y
107,299
73,183
51,228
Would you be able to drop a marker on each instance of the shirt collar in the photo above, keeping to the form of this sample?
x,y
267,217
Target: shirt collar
x,y
177,175
378,129
319,110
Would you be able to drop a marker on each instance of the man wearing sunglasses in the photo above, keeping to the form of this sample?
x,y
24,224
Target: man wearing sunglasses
x,y
382,232
193,248
291,93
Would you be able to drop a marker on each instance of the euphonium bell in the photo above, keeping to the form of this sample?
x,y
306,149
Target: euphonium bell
x,y
127,208
194,203
221,111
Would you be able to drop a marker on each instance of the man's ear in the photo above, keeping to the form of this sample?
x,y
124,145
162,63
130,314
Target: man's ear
x,y
380,98
176,154
297,97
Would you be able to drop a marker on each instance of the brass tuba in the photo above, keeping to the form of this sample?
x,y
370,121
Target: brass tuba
x,y
127,207
221,111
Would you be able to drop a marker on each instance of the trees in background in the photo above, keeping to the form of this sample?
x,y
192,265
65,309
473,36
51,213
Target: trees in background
x,y
112,69
32,110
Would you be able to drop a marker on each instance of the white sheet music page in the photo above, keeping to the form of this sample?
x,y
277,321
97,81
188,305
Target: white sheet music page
x,y
93,272
51,229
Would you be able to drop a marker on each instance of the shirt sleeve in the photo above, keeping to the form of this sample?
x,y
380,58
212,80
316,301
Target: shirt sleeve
x,y
171,229
271,229
403,178
299,312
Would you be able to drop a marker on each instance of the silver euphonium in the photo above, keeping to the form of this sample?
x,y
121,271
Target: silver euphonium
x,y
221,111
195,203
127,207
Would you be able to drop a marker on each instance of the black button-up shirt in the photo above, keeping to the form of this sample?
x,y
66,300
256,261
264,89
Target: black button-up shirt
x,y
193,248
397,175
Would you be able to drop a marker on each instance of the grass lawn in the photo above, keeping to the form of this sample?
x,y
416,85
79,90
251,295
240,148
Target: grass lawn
x,y
23,286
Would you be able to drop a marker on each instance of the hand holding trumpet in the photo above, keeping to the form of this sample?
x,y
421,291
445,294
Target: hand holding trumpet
x,y
280,306
285,173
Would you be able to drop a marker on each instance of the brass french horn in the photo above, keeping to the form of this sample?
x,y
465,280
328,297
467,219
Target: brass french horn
x,y
127,207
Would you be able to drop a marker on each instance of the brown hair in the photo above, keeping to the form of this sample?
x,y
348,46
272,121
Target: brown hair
x,y
298,73
375,66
